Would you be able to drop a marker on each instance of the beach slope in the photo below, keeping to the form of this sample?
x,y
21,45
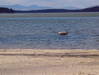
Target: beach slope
x,y
49,62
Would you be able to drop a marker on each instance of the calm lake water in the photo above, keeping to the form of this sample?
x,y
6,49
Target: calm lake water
x,y
29,31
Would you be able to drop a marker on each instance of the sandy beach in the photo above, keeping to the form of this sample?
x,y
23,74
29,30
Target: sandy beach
x,y
49,62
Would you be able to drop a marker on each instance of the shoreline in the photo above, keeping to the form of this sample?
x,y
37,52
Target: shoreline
x,y
49,62
69,14
50,52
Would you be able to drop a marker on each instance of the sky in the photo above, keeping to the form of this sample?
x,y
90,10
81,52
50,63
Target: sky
x,y
52,3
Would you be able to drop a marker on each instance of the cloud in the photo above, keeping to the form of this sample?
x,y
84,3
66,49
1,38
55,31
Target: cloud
x,y
52,3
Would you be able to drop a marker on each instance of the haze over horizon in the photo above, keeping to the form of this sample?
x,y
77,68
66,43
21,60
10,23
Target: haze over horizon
x,y
43,4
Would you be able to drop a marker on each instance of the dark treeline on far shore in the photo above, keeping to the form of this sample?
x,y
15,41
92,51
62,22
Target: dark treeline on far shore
x,y
8,10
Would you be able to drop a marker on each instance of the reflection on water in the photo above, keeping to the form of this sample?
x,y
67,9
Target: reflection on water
x,y
41,32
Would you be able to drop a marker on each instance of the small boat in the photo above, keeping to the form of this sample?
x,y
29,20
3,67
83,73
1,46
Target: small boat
x,y
63,33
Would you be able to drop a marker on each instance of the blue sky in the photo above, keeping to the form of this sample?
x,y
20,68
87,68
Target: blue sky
x,y
52,3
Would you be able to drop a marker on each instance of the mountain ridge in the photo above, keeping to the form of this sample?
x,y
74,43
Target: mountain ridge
x,y
90,9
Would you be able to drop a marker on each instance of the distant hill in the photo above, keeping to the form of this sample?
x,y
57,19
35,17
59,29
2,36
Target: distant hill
x,y
21,7
6,10
34,7
91,9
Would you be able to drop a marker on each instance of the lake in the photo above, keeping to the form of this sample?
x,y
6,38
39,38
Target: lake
x,y
40,31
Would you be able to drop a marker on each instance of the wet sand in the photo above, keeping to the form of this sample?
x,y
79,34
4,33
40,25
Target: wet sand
x,y
49,62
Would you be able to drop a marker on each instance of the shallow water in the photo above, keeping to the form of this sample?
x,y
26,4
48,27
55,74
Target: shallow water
x,y
41,32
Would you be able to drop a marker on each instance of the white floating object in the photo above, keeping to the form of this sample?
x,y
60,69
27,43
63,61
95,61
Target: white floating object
x,y
63,33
